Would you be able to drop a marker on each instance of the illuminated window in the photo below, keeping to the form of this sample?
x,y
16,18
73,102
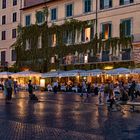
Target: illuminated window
x,y
52,60
53,40
86,58
87,34
106,30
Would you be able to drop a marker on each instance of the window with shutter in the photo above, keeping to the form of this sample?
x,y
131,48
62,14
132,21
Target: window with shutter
x,y
106,30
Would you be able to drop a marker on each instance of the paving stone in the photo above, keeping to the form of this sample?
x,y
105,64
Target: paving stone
x,y
64,117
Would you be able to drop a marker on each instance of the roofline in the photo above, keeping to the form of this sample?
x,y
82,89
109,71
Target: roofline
x,y
39,4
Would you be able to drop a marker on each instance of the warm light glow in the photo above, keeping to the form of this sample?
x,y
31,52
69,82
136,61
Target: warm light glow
x,y
52,59
87,34
42,82
120,75
126,75
86,59
108,67
53,40
98,75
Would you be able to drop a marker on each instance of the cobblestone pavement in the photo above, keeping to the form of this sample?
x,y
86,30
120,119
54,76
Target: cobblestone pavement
x,y
65,117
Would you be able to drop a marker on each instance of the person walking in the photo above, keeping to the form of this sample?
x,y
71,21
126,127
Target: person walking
x,y
9,87
5,90
30,87
15,87
55,87
101,94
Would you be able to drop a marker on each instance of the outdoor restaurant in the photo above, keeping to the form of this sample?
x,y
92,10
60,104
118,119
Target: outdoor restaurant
x,y
72,77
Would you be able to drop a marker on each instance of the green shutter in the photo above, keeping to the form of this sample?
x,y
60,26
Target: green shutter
x,y
91,33
101,4
121,2
110,29
103,31
83,35
128,27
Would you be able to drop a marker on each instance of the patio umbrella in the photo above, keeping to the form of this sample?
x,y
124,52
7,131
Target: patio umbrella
x,y
119,71
51,74
26,74
94,72
5,74
137,71
72,73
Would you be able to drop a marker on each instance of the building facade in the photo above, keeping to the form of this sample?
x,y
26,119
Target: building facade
x,y
115,22
9,20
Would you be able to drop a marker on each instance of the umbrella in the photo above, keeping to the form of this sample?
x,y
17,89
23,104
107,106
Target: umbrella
x,y
94,72
26,74
51,74
72,73
5,74
119,71
137,71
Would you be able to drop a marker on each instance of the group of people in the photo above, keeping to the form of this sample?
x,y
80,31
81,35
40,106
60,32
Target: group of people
x,y
119,92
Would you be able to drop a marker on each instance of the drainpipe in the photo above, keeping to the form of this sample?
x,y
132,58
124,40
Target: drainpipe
x,y
96,16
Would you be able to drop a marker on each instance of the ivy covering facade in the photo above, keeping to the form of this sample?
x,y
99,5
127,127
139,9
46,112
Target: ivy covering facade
x,y
39,59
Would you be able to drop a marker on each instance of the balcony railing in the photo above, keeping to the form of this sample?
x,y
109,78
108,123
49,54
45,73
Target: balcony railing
x,y
105,58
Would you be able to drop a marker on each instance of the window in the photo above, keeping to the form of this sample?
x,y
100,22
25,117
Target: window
x,y
67,37
106,30
3,35
123,2
53,40
39,42
69,10
14,33
40,18
3,4
13,55
52,60
14,17
104,4
3,57
87,34
53,14
87,6
14,2
86,58
28,20
3,19
125,28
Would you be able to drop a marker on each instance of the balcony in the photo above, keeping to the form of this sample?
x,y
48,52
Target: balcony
x,y
105,57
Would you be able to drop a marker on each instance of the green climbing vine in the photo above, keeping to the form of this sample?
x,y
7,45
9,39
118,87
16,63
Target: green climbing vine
x,y
37,58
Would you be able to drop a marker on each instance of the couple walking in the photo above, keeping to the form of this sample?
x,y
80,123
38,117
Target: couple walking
x,y
8,89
